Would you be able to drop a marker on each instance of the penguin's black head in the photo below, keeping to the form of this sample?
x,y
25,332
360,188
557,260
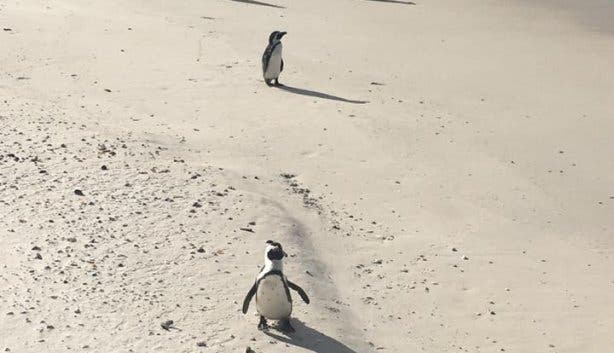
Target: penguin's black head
x,y
276,36
274,251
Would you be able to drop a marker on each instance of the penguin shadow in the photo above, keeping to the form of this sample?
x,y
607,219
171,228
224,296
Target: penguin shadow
x,y
254,2
311,339
306,92
396,2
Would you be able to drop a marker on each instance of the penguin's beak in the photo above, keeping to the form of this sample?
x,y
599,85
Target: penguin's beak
x,y
285,254
281,34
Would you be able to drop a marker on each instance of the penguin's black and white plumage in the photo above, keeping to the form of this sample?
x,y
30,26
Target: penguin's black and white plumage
x,y
272,62
272,290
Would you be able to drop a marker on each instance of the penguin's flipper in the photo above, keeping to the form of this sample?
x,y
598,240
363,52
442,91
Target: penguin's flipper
x,y
248,297
266,56
300,291
282,66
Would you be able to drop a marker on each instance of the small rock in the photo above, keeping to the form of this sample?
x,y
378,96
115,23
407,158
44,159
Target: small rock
x,y
200,250
249,350
36,248
167,325
104,167
201,344
79,192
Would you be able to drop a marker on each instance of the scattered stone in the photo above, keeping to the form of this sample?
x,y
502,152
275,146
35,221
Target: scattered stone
x,y
36,248
104,167
167,325
200,250
79,192
201,344
247,229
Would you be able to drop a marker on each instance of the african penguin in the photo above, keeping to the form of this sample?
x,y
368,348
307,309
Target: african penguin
x,y
272,290
272,63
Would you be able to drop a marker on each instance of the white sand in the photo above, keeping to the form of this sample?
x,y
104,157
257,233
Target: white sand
x,y
491,133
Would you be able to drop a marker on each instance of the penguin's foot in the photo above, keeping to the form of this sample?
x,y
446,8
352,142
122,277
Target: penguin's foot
x,y
262,325
285,326
277,84
269,82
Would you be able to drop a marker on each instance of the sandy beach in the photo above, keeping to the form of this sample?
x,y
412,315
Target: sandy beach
x,y
440,174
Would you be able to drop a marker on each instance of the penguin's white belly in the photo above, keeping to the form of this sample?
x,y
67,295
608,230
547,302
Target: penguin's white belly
x,y
271,299
274,68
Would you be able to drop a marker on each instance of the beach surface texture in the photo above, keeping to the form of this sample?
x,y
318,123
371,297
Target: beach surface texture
x,y
440,173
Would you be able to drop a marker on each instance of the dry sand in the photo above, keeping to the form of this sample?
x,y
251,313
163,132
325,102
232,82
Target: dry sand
x,y
440,173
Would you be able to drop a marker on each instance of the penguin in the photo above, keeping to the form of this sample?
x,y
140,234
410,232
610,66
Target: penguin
x,y
272,290
272,63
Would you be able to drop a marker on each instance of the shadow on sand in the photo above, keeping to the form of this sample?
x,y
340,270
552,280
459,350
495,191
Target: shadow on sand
x,y
253,2
311,339
396,2
306,92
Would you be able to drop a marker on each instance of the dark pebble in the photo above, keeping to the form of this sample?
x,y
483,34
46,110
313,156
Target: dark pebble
x,y
167,324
